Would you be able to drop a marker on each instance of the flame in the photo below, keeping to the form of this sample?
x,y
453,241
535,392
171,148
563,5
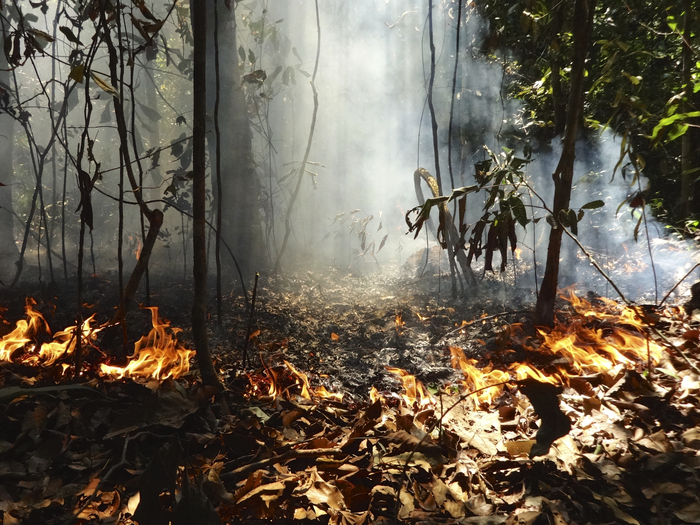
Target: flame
x,y
421,317
415,392
374,395
62,344
139,247
399,322
518,252
594,349
478,379
301,379
322,393
158,355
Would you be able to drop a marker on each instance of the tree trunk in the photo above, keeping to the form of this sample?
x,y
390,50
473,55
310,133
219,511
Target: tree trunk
x,y
687,175
9,254
241,222
558,99
564,174
199,305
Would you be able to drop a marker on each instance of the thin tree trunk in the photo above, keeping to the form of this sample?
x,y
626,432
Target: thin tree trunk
x,y
564,174
687,176
302,168
199,305
219,202
558,100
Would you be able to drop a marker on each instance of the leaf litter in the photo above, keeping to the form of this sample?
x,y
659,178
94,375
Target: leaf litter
x,y
360,411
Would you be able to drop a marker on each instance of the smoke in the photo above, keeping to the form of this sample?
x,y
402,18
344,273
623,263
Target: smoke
x,y
373,130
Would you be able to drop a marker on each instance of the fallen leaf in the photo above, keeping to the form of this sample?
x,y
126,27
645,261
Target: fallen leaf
x,y
555,424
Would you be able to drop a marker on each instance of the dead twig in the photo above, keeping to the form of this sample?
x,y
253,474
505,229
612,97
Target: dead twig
x,y
242,472
246,361
485,318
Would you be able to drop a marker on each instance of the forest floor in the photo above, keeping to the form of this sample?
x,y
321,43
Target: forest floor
x,y
368,398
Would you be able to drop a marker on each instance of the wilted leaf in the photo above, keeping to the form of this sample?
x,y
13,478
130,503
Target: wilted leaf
x,y
104,85
194,507
78,73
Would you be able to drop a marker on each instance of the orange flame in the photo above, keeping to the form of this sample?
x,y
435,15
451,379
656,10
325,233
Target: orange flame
x,y
594,350
475,379
62,344
415,392
399,322
158,355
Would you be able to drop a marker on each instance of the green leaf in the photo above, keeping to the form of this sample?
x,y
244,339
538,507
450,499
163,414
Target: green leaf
x,y
519,211
677,121
104,85
251,56
241,53
593,205
458,192
69,35
671,21
677,130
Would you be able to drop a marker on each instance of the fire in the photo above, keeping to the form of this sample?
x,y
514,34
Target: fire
x,y
158,355
399,322
415,392
62,343
283,380
476,379
594,350
139,247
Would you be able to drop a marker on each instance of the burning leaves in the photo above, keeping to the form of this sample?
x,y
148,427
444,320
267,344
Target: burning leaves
x,y
295,451
158,355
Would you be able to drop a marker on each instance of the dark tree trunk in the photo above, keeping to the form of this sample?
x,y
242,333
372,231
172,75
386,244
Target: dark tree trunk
x,y
241,227
558,97
199,305
563,175
9,254
687,174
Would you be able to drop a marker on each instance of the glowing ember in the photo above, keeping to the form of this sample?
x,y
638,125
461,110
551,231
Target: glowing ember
x,y
158,355
415,392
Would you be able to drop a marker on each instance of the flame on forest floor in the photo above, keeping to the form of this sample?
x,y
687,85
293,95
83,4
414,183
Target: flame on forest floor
x,y
289,381
20,344
414,391
159,355
598,338
594,339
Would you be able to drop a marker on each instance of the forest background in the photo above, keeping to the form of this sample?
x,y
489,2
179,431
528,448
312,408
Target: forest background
x,y
312,119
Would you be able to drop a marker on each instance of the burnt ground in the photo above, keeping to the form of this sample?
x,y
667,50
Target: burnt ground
x,y
117,451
